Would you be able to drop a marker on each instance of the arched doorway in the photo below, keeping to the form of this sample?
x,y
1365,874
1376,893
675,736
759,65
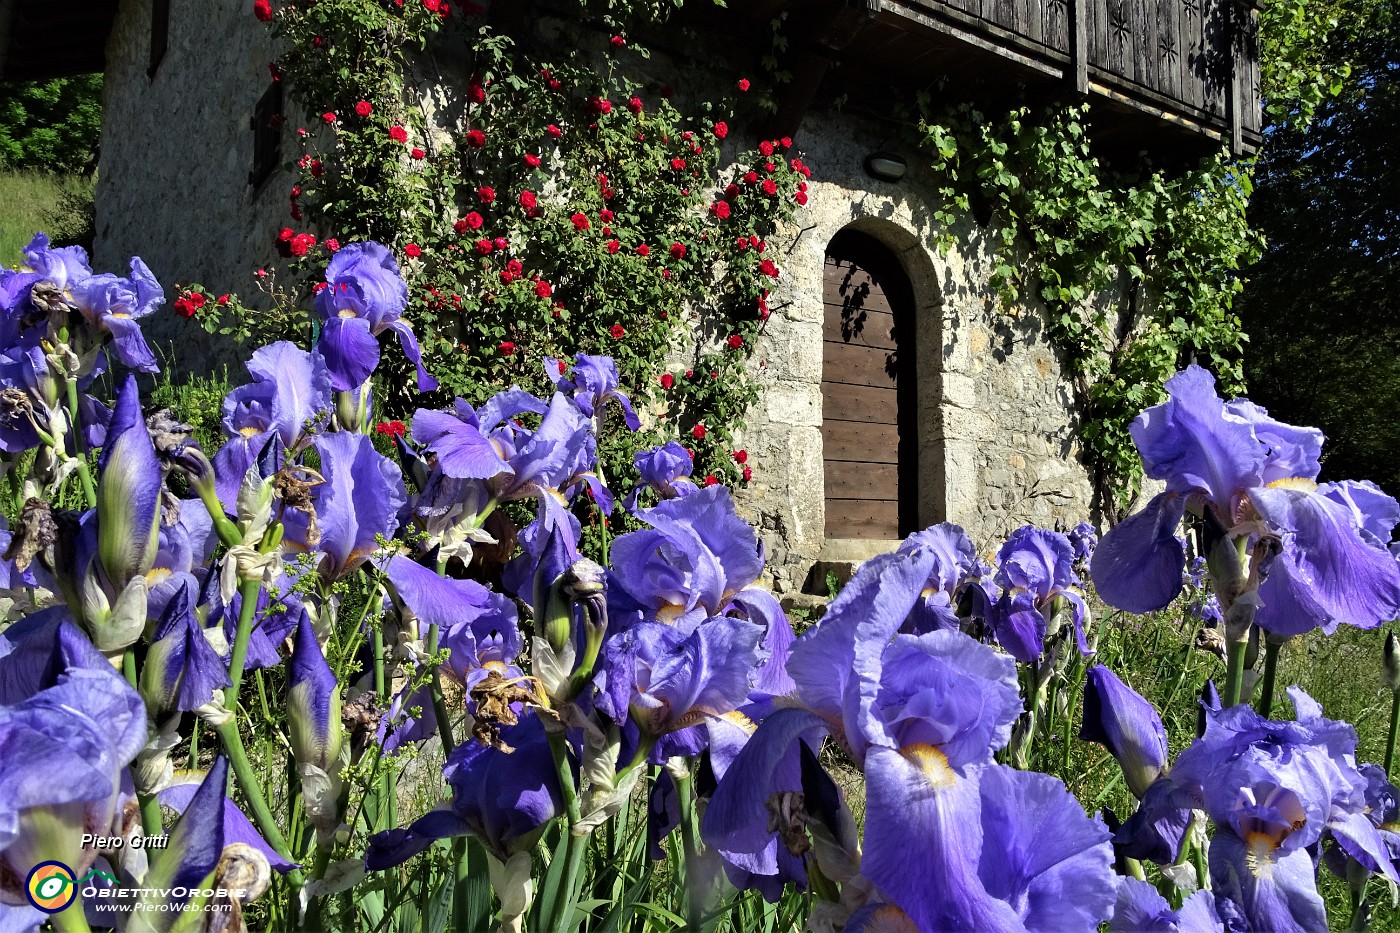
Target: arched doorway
x,y
869,392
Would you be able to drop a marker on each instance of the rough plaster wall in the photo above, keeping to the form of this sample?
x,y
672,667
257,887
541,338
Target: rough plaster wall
x,y
996,431
176,152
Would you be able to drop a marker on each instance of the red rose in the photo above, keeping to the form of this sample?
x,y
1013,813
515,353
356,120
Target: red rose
x,y
223,300
187,305
476,92
741,457
412,251
562,366
599,105
579,221
605,215
800,197
543,289
614,246
766,148
285,234
711,479
768,268
507,348
750,178
743,84
758,244
786,142
698,432
460,226
391,428
721,129
476,138
635,105
328,117
554,131
317,170
678,164
731,191
770,187
364,108
483,247
643,250
532,160
301,244
617,331
769,167
748,474
500,243
720,209
416,153
742,243
528,200
473,221
332,245
677,250
398,134
617,42
486,194
262,9
735,341
667,380
514,267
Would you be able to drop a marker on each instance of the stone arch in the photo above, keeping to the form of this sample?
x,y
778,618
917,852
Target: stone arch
x,y
895,376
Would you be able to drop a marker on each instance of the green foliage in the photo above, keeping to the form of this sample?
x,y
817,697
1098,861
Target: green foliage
x,y
51,125
30,201
1067,230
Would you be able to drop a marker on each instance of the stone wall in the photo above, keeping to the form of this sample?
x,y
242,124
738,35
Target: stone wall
x,y
177,148
997,424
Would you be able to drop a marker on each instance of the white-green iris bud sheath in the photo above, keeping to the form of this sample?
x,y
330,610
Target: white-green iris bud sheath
x,y
128,494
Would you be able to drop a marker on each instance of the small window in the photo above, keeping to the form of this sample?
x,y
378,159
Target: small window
x,y
160,33
267,135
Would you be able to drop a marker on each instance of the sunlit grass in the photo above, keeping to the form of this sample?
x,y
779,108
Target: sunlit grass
x,y
34,201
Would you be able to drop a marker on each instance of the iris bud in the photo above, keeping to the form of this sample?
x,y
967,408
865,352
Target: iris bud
x,y
1118,718
1391,662
128,493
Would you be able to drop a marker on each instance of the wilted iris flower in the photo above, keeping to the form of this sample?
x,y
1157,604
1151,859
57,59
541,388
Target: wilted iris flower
x,y
1250,475
364,296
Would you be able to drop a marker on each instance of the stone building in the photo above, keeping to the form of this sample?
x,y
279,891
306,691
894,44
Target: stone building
x,y
896,391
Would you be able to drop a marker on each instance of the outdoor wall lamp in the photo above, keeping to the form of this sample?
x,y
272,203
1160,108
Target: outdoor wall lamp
x,y
885,166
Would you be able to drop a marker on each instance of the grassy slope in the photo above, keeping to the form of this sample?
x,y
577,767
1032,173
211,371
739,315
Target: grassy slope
x,y
29,201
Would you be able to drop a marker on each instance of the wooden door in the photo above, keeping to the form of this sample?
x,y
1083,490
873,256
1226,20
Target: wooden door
x,y
868,416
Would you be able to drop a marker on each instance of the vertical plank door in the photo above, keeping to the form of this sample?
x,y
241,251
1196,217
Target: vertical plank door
x,y
867,440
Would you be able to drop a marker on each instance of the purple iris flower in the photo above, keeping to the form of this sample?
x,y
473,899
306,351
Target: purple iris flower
x,y
665,468
1141,909
1083,538
67,266
275,618
111,304
667,678
458,440
195,844
552,458
358,503
364,296
31,397
290,394
64,712
696,557
313,702
128,493
1383,810
502,798
594,381
1036,569
1272,789
479,627
179,796
182,548
182,669
949,838
1118,718
1249,472
954,568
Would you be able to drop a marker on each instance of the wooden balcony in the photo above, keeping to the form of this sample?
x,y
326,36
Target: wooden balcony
x,y
1176,76
53,39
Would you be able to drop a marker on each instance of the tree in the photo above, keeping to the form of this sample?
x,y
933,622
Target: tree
x,y
1320,307
51,125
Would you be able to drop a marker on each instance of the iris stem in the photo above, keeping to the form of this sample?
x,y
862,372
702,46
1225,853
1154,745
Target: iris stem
x,y
1394,727
1266,693
70,921
248,591
1234,672
435,688
573,856
686,802
151,823
252,790
129,667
